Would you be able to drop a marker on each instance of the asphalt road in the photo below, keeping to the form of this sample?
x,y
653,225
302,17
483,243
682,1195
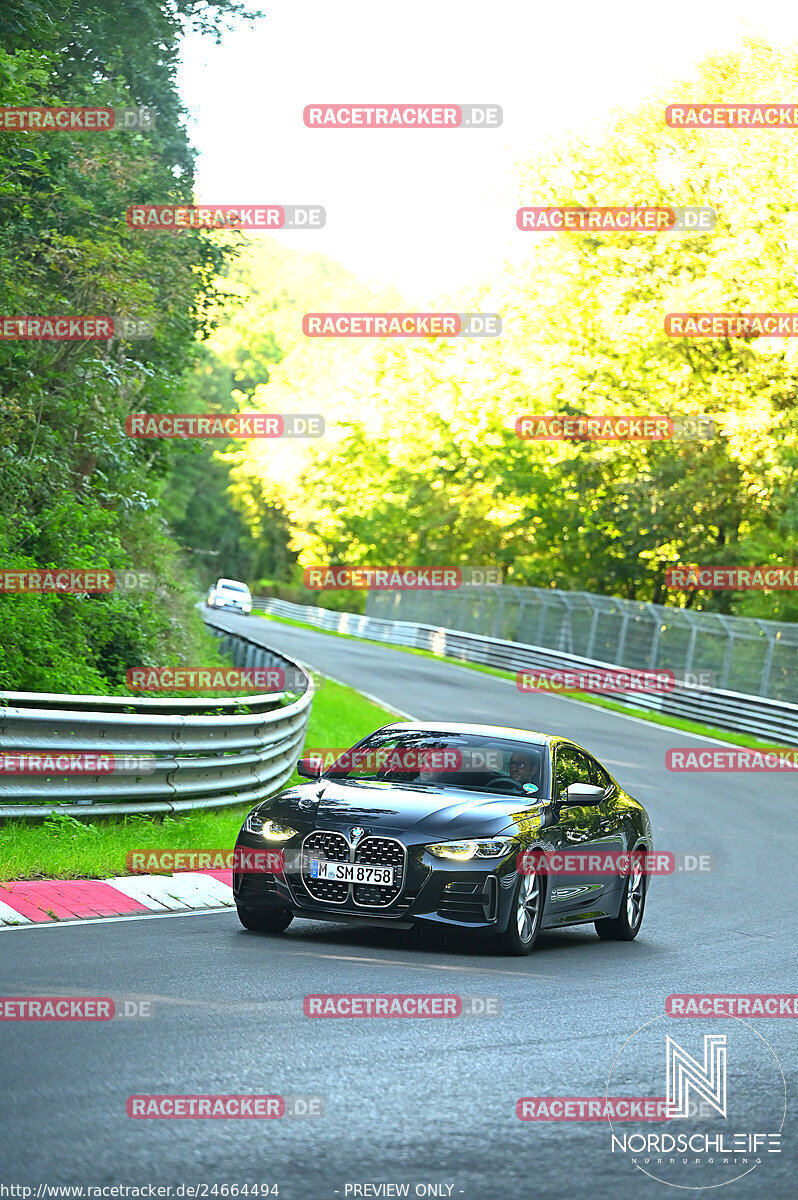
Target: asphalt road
x,y
419,1102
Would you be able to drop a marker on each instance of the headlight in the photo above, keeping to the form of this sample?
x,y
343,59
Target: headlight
x,y
272,831
484,848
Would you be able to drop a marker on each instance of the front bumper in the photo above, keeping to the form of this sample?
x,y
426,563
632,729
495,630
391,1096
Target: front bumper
x,y
434,891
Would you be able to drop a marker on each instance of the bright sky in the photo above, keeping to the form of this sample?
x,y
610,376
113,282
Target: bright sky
x,y
431,211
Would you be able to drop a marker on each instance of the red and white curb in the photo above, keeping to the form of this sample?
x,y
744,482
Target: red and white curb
x,y
39,901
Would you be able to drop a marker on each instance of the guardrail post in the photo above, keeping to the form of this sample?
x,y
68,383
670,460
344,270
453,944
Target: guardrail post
x,y
727,661
519,619
688,662
652,658
763,687
541,623
591,637
621,647
498,624
565,641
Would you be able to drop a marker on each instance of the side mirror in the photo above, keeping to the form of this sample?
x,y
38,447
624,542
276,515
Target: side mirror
x,y
309,768
584,793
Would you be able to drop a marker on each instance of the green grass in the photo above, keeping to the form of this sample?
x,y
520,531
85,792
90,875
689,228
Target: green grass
x,y
329,632
62,847
654,718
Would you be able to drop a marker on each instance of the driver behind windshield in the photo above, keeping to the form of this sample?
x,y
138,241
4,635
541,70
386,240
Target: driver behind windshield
x,y
521,769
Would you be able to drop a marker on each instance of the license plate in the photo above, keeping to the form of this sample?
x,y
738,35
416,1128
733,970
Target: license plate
x,y
344,872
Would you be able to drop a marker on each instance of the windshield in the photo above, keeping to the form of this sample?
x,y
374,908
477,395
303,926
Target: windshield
x,y
423,758
231,585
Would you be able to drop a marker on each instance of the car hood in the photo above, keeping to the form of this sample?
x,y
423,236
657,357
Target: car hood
x,y
419,813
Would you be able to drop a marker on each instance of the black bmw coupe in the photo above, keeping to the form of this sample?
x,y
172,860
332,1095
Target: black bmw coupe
x,y
499,831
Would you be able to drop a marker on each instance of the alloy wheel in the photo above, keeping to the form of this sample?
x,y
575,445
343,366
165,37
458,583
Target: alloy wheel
x,y
528,906
635,890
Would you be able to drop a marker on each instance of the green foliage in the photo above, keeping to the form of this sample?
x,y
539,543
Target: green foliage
x,y
227,505
76,491
425,466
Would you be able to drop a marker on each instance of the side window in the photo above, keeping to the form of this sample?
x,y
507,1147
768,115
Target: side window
x,y
570,766
598,775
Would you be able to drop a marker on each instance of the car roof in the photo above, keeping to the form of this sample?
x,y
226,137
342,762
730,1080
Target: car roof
x,y
504,731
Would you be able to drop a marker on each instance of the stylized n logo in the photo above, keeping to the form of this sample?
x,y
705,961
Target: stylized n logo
x,y
683,1073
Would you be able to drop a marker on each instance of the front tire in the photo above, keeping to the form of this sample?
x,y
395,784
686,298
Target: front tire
x,y
526,914
263,921
626,926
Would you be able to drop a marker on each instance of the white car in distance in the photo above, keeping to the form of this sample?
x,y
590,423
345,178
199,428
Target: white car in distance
x,y
230,593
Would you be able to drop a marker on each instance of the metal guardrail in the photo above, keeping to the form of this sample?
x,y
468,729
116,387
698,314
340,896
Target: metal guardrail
x,y
734,711
177,754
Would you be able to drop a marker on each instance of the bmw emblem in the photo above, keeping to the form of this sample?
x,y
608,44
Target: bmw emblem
x,y
356,834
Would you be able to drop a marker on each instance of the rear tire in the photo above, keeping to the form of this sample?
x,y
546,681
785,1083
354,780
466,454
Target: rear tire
x,y
626,926
263,921
526,914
